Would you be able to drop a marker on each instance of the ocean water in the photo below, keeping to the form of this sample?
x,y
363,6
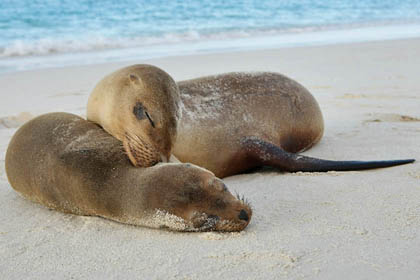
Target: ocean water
x,y
44,33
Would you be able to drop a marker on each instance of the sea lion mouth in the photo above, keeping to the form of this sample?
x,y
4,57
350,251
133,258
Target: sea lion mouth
x,y
230,226
204,222
140,152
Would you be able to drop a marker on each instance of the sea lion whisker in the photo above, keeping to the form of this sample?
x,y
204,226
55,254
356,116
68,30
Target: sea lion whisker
x,y
140,143
243,200
141,147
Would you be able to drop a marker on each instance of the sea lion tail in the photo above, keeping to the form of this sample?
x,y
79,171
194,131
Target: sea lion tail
x,y
271,155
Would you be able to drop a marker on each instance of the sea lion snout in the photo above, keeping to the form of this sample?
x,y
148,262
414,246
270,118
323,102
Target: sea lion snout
x,y
140,152
208,205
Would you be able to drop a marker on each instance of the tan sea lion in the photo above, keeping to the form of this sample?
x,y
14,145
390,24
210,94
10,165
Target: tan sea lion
x,y
139,106
238,121
72,165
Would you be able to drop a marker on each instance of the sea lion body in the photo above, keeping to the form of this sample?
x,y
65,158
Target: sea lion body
x,y
72,165
221,112
233,122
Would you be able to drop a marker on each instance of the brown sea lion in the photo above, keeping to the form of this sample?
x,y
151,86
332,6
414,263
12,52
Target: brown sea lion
x,y
72,165
139,106
233,122
238,121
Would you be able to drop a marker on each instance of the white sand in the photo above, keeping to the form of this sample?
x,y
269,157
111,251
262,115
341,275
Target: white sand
x,y
338,225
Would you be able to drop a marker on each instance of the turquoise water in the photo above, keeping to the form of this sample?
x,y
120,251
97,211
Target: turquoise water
x,y
31,28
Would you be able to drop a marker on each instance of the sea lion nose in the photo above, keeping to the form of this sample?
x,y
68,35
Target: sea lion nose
x,y
243,215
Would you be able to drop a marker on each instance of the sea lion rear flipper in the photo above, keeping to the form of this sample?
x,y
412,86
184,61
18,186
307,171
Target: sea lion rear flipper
x,y
271,155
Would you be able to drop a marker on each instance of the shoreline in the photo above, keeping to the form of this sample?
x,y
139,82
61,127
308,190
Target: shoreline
x,y
319,36
334,225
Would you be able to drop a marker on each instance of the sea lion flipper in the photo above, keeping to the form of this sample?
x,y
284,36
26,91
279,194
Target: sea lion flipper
x,y
271,155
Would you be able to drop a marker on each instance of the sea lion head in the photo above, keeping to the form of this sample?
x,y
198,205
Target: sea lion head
x,y
201,200
139,105
214,208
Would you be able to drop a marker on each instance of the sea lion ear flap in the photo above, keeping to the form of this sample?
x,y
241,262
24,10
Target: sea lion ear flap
x,y
135,79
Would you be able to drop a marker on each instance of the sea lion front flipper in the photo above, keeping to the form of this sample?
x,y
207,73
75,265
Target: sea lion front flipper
x,y
271,155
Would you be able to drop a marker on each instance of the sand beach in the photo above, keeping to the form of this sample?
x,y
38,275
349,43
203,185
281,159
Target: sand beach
x,y
334,225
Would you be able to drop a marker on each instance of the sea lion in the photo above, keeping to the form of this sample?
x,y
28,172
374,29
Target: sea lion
x,y
72,165
234,122
238,121
139,105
